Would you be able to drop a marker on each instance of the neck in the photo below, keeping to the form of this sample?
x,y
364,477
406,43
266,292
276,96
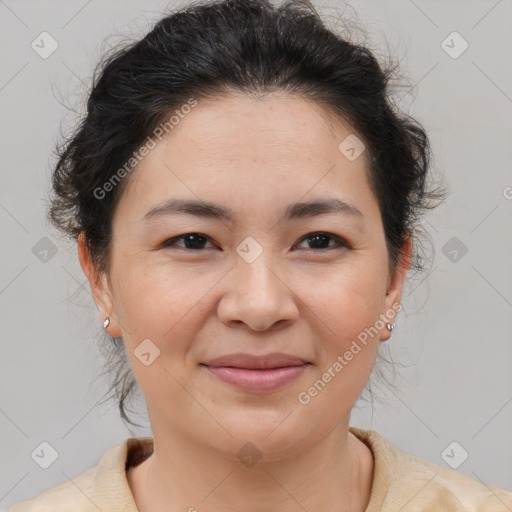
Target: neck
x,y
335,474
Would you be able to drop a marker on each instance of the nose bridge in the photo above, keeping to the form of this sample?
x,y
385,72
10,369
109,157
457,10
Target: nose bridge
x,y
255,268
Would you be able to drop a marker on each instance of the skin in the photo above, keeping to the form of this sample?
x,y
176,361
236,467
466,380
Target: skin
x,y
254,156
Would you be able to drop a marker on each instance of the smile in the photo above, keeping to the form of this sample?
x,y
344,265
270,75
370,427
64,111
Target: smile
x,y
257,380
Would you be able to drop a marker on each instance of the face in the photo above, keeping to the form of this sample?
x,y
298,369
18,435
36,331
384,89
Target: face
x,y
272,278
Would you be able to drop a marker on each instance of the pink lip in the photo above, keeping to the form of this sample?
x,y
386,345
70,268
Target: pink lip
x,y
254,380
252,373
241,360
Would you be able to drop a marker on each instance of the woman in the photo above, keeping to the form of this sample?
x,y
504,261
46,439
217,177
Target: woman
x,y
245,202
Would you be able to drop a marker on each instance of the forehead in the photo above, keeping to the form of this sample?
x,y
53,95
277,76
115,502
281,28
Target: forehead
x,y
282,123
235,147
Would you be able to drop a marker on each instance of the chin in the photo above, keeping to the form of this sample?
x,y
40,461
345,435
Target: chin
x,y
275,431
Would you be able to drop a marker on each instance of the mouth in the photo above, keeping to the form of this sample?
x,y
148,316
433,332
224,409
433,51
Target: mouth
x,y
257,374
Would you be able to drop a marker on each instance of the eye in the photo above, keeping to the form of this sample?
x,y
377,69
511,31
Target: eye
x,y
319,240
194,241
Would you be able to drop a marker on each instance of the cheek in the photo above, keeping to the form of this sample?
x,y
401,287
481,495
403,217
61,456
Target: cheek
x,y
348,299
349,314
160,308
149,302
164,305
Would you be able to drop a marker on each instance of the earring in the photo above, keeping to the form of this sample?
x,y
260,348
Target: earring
x,y
390,328
106,323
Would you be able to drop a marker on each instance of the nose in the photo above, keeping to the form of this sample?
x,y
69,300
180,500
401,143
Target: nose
x,y
258,296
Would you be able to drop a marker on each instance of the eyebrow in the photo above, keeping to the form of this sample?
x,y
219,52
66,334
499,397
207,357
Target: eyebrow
x,y
204,209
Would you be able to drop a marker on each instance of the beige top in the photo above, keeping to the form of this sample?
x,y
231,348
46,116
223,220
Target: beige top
x,y
402,482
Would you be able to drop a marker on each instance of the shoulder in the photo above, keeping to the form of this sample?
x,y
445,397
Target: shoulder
x,y
69,496
98,488
403,481
427,483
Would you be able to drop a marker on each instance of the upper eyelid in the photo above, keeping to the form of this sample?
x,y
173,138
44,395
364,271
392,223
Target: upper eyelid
x,y
339,239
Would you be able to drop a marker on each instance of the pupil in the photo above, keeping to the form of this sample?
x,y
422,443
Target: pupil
x,y
315,239
190,244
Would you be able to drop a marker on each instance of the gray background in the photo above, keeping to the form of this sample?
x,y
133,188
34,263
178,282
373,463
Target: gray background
x,y
453,334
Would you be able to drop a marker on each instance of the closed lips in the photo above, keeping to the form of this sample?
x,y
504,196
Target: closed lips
x,y
257,374
253,362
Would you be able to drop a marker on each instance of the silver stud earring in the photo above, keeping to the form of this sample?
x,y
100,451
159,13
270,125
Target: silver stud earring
x,y
106,323
390,328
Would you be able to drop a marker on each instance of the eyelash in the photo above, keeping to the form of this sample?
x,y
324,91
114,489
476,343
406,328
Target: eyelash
x,y
340,242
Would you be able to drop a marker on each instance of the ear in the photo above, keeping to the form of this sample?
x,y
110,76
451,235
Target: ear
x,y
394,288
100,288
